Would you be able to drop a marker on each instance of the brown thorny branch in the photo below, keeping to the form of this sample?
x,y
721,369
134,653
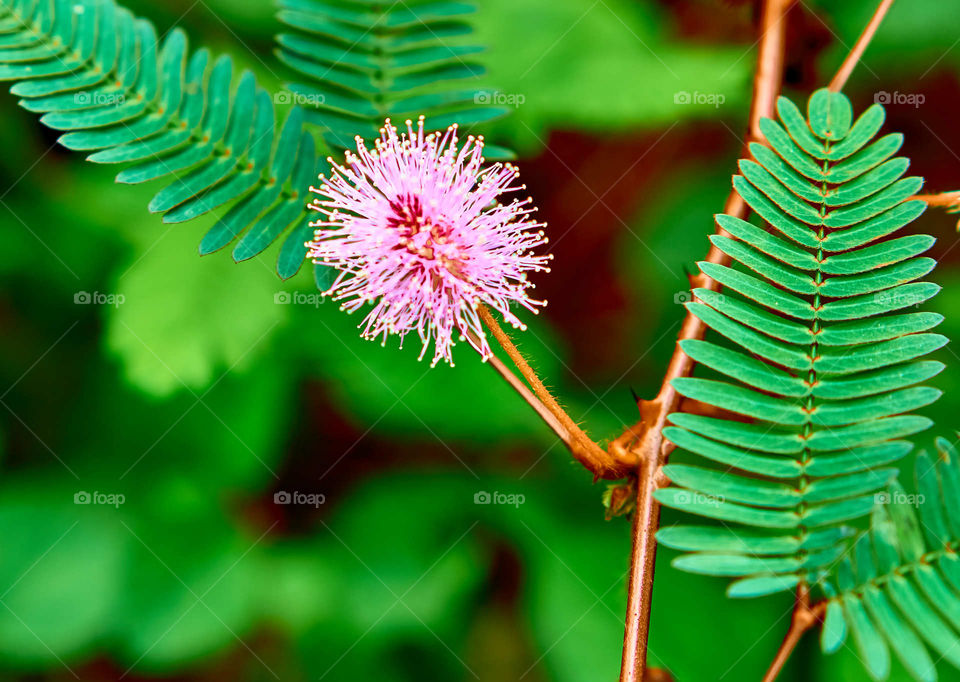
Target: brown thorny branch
x,y
804,617
641,450
645,438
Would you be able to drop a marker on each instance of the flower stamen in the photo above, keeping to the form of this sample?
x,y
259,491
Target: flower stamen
x,y
415,228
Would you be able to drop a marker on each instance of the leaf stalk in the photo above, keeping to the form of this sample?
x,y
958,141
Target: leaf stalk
x,y
646,437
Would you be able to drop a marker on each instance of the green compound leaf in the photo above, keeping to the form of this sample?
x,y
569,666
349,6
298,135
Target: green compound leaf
x,y
102,76
899,589
814,369
365,62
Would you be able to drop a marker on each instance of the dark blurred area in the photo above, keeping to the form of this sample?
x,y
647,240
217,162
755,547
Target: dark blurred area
x,y
204,482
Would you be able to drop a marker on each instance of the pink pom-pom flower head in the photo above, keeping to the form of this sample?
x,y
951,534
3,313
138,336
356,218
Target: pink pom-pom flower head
x,y
418,228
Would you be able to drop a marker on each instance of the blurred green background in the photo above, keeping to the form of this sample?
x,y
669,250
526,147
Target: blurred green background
x,y
199,397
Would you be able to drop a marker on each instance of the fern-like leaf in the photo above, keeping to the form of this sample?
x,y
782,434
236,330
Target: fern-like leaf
x,y
99,74
367,61
821,354
900,589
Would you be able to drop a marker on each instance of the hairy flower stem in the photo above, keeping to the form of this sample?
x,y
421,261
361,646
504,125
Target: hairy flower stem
x,y
585,450
645,439
531,399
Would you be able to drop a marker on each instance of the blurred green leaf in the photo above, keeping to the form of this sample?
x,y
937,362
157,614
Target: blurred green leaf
x,y
61,571
602,67
182,320
186,601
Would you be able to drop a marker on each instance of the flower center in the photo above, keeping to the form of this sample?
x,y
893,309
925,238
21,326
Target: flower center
x,y
423,236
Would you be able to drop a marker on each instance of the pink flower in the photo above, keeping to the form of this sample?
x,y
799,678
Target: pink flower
x,y
417,228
